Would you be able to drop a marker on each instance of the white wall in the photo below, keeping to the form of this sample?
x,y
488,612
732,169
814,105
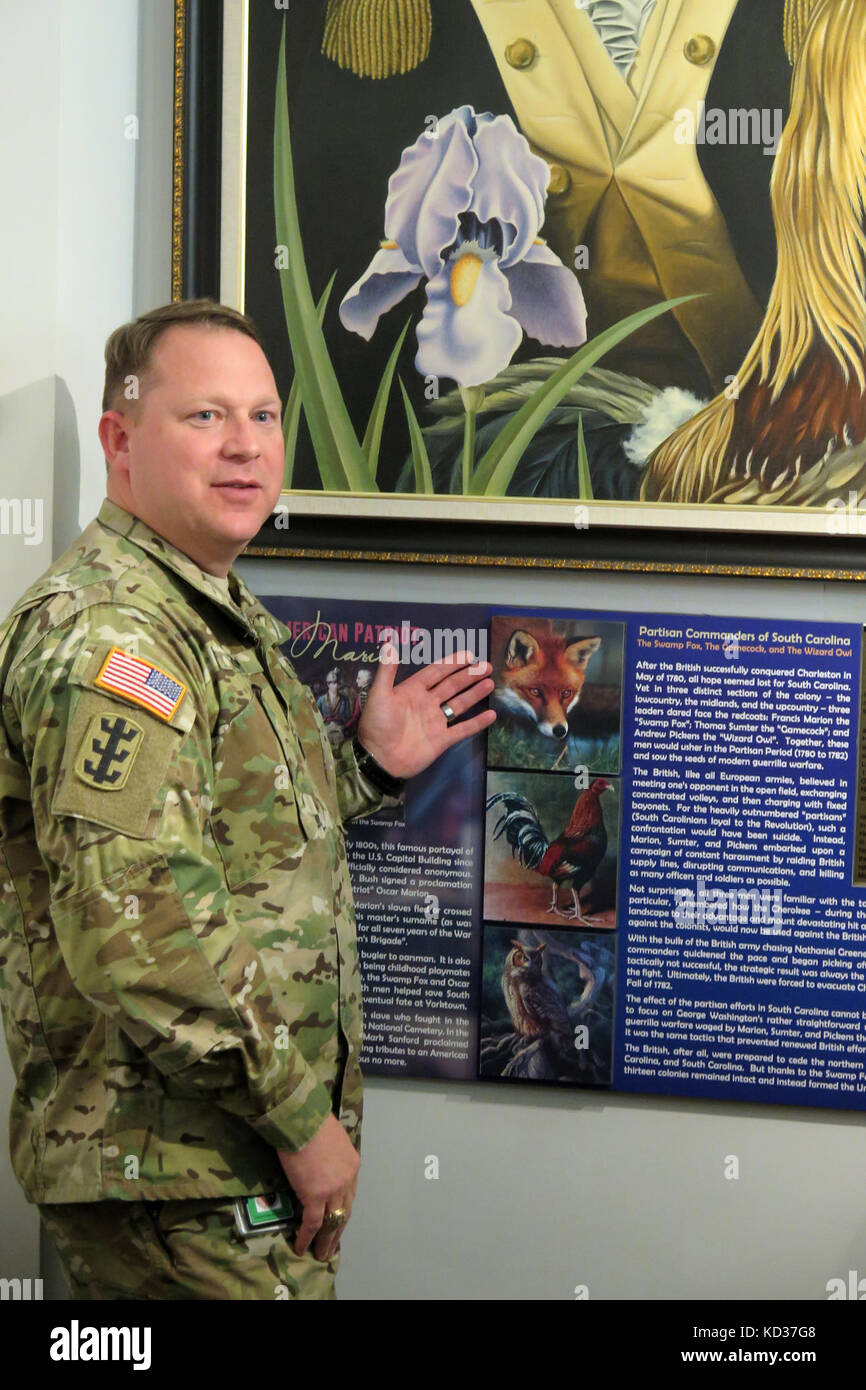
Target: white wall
x,y
69,75
29,65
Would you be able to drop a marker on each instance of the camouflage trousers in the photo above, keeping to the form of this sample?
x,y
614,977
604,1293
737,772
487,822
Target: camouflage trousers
x,y
178,1250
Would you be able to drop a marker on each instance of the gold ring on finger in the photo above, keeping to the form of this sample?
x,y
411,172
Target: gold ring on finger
x,y
334,1219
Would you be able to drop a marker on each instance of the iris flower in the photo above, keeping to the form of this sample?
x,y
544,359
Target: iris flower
x,y
464,211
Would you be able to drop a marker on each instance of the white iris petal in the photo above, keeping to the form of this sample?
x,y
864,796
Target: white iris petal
x,y
472,342
388,278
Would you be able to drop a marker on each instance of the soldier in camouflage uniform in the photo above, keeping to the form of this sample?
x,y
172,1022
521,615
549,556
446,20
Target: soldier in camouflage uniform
x,y
178,963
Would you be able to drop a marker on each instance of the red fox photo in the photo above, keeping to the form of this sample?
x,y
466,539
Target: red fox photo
x,y
542,678
558,693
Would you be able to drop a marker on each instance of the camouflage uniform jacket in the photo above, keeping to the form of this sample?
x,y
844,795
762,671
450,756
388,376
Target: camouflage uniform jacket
x,y
178,964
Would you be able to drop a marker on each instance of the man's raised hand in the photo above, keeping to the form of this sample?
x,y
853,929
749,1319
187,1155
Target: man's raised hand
x,y
405,726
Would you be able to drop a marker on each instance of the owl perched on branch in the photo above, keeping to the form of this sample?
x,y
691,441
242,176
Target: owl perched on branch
x,y
535,1004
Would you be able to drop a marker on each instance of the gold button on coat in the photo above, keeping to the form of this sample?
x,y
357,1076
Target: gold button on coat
x,y
560,180
521,54
700,49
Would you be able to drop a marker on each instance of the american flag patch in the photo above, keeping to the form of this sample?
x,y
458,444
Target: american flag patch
x,y
141,682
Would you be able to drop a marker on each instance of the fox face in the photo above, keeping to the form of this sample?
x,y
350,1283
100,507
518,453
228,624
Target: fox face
x,y
542,678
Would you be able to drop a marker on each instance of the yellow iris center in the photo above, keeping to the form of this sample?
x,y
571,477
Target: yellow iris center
x,y
464,278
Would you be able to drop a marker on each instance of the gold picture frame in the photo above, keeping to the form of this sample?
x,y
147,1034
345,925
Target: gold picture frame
x,y
211,189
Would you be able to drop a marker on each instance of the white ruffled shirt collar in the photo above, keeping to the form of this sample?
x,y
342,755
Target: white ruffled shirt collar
x,y
620,25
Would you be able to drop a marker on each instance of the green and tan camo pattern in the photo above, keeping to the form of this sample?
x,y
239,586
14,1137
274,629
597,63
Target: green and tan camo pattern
x,y
179,1250
178,964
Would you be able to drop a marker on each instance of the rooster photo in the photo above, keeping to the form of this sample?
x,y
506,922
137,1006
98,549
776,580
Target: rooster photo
x,y
558,693
552,850
547,1007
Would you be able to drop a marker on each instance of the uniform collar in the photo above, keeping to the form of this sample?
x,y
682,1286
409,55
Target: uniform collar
x,y
239,604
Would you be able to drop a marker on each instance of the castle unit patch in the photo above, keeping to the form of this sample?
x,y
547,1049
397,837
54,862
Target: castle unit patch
x,y
142,682
108,751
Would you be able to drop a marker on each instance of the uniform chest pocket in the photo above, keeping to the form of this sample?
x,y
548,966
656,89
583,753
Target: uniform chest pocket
x,y
256,821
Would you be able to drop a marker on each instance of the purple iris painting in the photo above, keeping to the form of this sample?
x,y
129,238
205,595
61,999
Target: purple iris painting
x,y
464,210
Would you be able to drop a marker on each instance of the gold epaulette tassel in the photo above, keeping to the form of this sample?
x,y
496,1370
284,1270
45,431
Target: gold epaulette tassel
x,y
380,38
377,38
797,16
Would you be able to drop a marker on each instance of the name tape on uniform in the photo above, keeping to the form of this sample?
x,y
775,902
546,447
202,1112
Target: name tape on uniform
x,y
141,681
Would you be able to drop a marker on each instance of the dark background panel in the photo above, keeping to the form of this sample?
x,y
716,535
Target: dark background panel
x,y
348,134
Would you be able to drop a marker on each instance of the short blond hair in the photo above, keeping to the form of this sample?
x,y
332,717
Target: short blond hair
x,y
129,349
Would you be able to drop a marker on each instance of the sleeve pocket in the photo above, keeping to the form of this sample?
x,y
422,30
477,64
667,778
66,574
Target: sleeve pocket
x,y
114,766
255,822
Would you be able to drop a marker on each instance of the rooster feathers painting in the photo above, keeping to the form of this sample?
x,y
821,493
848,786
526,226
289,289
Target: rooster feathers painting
x,y
790,427
572,858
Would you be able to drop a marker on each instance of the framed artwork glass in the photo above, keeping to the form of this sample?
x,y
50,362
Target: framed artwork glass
x,y
559,284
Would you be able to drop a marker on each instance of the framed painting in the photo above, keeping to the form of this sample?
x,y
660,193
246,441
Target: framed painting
x,y
556,283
